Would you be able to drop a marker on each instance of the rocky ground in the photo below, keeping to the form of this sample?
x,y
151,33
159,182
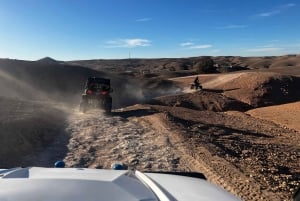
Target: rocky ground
x,y
99,140
263,151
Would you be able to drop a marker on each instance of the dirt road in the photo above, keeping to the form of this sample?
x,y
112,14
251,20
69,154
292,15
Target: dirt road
x,y
237,156
97,141
143,140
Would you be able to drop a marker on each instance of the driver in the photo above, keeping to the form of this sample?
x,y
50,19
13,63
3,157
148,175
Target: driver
x,y
196,82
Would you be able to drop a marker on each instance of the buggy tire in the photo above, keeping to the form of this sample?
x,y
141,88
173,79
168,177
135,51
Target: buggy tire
x,y
108,105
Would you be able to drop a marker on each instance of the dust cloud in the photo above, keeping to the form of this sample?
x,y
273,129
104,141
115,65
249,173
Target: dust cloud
x,y
13,87
133,91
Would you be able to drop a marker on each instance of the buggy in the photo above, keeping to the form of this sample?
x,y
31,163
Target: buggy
x,y
97,95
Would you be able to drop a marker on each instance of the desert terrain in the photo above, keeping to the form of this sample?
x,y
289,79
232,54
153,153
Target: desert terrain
x,y
241,130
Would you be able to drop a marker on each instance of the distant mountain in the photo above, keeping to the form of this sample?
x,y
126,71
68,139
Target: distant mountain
x,y
48,60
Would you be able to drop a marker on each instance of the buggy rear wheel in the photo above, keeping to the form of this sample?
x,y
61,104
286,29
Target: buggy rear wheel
x,y
108,105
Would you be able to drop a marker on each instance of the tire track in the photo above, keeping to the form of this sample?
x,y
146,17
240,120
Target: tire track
x,y
216,169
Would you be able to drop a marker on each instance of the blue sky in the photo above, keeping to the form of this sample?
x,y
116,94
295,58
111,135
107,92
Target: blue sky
x,y
109,29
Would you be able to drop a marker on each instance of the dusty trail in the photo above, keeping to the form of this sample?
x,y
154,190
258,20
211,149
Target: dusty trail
x,y
97,141
147,142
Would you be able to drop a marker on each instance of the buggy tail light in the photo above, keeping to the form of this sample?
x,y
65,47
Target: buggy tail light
x,y
104,92
89,92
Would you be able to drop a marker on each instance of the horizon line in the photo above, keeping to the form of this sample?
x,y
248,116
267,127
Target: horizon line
x,y
131,58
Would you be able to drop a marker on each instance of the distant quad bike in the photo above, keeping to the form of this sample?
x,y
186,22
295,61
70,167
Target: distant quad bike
x,y
196,86
97,95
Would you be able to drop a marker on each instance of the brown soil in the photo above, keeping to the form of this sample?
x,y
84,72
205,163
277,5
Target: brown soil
x,y
28,127
263,152
286,115
213,100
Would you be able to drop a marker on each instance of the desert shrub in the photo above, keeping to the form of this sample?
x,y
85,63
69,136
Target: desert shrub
x,y
177,66
224,69
171,68
205,65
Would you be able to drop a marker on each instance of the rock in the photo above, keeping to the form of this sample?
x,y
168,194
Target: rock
x,y
175,160
91,150
283,185
134,161
99,166
160,166
148,166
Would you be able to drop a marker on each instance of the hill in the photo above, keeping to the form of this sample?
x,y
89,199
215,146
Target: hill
x,y
168,67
